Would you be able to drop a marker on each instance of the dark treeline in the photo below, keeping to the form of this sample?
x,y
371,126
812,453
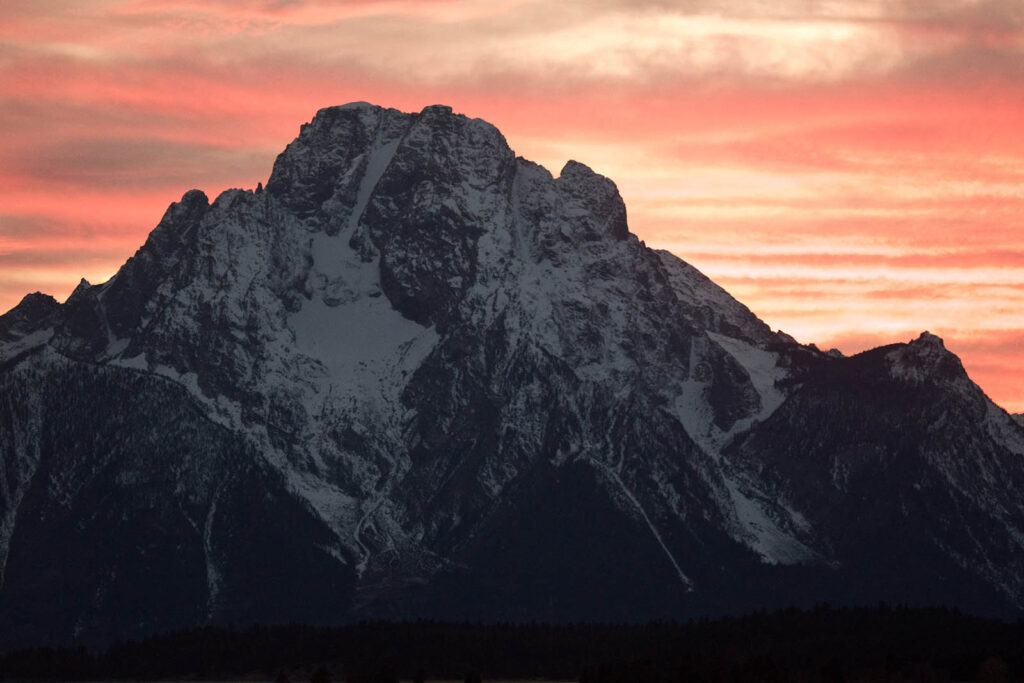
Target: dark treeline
x,y
823,645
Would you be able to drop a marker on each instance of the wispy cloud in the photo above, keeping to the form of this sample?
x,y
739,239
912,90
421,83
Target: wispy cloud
x,y
106,163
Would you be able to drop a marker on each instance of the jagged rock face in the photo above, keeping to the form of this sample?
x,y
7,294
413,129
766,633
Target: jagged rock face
x,y
902,469
27,317
419,376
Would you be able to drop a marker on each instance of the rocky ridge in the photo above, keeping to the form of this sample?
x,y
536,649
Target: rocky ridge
x,y
416,375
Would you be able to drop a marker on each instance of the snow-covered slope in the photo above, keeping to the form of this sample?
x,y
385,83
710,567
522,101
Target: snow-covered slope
x,y
451,384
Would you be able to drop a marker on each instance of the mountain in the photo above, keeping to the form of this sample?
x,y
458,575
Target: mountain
x,y
418,376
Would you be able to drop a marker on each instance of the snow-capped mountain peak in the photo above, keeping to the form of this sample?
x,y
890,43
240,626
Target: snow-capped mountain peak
x,y
421,376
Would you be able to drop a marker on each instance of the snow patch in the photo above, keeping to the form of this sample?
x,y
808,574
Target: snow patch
x,y
1005,428
213,579
379,161
222,410
13,349
339,510
365,347
614,476
763,369
763,535
137,362
698,293
115,346
756,527
691,405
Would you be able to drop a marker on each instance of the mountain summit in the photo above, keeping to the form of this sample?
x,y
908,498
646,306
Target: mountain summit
x,y
418,376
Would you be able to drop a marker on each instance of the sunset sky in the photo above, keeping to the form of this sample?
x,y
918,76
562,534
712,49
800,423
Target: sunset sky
x,y
852,170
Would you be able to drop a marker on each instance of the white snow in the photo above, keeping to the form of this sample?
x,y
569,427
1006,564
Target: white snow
x,y
137,362
763,369
755,526
358,353
366,348
691,405
342,359
697,292
332,504
612,474
1005,428
222,410
764,535
375,167
213,578
26,343
115,346
365,552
